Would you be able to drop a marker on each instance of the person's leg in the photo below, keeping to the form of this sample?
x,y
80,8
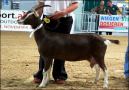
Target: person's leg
x,y
96,25
100,33
126,63
59,65
59,70
39,74
110,33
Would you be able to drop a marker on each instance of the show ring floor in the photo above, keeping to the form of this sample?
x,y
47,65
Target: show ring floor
x,y
20,61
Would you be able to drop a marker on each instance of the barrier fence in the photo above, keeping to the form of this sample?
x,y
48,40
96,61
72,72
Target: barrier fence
x,y
88,22
85,22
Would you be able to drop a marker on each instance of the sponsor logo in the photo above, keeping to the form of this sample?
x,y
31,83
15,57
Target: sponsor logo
x,y
10,18
11,15
122,28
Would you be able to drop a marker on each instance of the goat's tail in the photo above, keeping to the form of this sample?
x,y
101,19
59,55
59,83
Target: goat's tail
x,y
107,42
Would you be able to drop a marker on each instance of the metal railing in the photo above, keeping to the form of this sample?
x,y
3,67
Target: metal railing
x,y
86,22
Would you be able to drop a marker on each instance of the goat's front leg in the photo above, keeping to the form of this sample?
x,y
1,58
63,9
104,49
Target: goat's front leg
x,y
97,68
46,72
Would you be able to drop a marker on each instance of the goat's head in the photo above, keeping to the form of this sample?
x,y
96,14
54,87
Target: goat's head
x,y
31,16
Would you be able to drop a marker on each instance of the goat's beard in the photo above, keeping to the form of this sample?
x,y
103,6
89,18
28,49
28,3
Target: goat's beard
x,y
20,23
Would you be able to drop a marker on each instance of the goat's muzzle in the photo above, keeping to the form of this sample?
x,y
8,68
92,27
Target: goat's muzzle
x,y
20,21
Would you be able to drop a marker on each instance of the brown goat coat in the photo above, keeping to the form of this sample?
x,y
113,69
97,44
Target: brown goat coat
x,y
70,47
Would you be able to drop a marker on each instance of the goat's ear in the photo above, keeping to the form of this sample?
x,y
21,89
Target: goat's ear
x,y
36,14
24,12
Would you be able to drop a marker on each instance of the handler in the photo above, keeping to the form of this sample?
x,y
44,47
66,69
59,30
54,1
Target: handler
x,y
60,14
111,10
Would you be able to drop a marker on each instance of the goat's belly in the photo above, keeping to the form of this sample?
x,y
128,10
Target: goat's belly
x,y
72,58
72,54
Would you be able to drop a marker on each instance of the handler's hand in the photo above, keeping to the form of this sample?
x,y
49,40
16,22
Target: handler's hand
x,y
110,14
57,15
124,15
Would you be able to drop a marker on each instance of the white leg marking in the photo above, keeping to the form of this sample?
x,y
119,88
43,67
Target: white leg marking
x,y
46,77
105,85
97,68
42,84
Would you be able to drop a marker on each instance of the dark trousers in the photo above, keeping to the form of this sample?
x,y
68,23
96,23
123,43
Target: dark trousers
x,y
64,26
108,33
97,26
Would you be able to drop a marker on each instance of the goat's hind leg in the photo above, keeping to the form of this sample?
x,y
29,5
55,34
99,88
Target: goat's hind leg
x,y
46,72
101,64
97,68
105,85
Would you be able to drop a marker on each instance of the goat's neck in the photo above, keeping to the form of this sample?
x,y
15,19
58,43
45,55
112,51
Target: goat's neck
x,y
36,23
40,33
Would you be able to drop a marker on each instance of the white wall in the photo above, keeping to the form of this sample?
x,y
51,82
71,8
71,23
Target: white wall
x,y
78,10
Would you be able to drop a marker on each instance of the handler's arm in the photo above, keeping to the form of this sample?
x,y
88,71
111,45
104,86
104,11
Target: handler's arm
x,y
71,8
121,13
109,12
92,11
60,14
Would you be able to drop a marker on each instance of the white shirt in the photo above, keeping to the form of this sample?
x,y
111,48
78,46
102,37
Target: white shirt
x,y
57,5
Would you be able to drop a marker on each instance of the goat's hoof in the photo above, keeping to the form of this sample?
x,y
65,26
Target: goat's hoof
x,y
95,82
105,86
48,81
42,86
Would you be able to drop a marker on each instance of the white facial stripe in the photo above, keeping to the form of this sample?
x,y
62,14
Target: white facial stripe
x,y
26,17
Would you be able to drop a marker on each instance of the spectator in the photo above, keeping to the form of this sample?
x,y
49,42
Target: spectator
x,y
112,10
126,64
59,11
100,9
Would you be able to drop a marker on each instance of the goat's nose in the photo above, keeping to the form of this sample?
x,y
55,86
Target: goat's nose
x,y
18,20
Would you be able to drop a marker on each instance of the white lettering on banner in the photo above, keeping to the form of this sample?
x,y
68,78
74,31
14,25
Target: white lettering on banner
x,y
114,23
9,21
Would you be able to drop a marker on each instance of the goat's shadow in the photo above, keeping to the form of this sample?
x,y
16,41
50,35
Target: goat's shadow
x,y
116,82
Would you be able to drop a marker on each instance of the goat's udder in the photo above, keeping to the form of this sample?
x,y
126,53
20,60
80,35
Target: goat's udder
x,y
92,63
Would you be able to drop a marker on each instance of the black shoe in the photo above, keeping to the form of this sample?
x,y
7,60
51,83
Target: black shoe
x,y
100,33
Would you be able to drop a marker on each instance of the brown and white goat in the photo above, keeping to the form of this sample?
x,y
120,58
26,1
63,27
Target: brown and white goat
x,y
70,47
